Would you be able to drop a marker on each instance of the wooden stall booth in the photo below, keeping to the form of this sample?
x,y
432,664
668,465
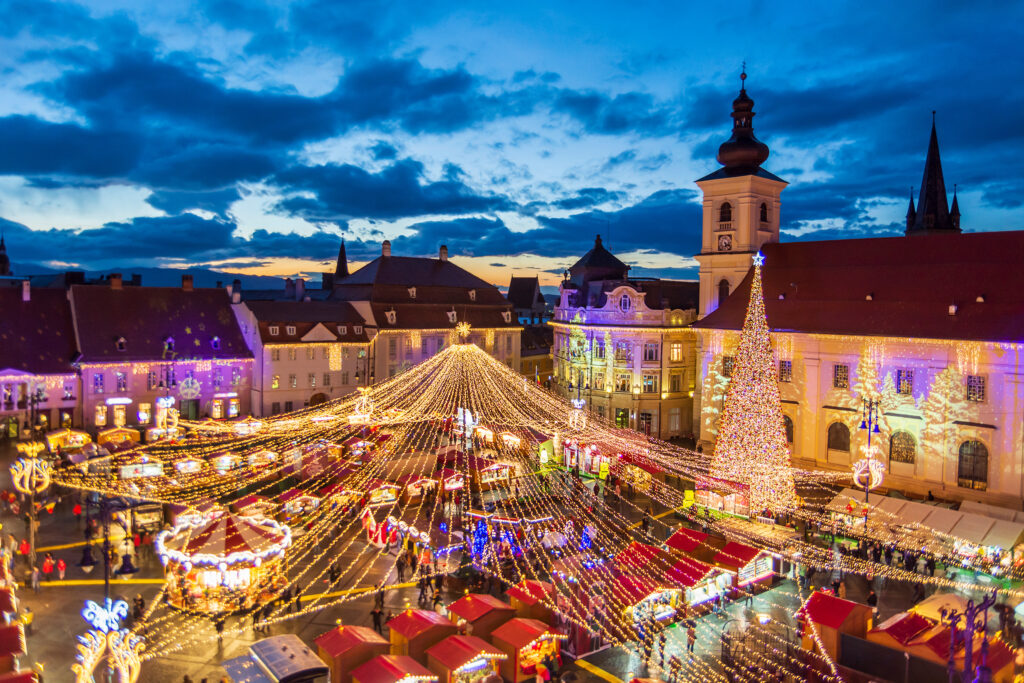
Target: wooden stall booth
x,y
414,487
414,631
525,642
393,669
831,617
118,435
697,544
701,582
751,567
464,659
346,647
482,613
530,599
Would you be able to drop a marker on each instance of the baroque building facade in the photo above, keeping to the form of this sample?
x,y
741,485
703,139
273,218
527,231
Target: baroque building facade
x,y
623,346
926,325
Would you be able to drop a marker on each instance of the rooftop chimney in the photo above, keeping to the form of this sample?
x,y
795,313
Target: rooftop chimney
x,y
236,291
300,289
385,248
186,282
26,290
443,255
115,280
289,288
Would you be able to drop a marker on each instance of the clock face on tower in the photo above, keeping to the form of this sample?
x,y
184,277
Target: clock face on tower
x,y
725,243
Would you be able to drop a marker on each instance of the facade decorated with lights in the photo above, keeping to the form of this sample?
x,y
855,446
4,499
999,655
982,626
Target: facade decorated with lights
x,y
926,327
622,346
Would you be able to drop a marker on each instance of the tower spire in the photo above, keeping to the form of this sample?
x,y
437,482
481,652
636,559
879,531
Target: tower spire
x,y
5,261
933,213
341,269
742,153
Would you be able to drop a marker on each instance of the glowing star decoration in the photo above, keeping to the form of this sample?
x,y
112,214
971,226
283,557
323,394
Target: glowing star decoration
x,y
758,259
30,475
106,617
752,449
190,388
462,329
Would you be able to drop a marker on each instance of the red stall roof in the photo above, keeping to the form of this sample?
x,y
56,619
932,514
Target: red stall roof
x,y
638,555
686,540
7,601
828,610
530,592
25,676
475,605
12,640
632,588
340,640
415,622
736,555
390,669
456,651
520,632
689,572
903,627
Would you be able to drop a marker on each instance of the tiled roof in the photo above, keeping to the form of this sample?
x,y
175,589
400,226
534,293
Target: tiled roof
x,y
339,317
409,271
536,340
36,336
146,316
912,281
524,292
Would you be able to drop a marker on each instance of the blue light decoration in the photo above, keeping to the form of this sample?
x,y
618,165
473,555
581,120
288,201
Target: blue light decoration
x,y
479,538
585,540
444,527
105,618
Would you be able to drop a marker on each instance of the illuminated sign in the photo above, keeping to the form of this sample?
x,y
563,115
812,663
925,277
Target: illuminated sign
x,y
226,394
119,401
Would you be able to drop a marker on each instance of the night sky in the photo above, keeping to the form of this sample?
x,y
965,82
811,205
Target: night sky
x,y
247,136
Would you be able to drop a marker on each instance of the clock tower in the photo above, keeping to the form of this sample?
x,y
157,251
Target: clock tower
x,y
741,208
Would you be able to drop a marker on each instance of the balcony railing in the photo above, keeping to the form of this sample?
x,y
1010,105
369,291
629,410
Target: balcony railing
x,y
722,227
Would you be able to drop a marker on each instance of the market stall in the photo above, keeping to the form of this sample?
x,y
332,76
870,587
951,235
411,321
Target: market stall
x,y
697,544
339,494
189,466
118,435
481,613
224,463
414,631
193,513
142,467
450,479
525,642
532,599
254,506
723,500
644,599
494,474
586,457
264,459
414,487
463,659
67,439
380,492
393,669
346,647
701,582
224,563
295,502
750,566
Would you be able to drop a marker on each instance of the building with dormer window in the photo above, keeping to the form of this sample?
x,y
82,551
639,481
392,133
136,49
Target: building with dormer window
x,y
622,344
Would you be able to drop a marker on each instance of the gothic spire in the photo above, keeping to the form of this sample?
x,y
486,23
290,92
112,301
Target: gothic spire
x,y
911,212
932,204
341,270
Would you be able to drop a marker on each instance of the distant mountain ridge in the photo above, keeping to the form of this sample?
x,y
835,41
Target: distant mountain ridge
x,y
166,277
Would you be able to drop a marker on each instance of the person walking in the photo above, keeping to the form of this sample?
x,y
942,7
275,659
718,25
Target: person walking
x,y
400,568
48,567
691,636
35,578
377,614
62,567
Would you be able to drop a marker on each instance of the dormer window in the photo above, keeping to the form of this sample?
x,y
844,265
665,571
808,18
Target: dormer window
x,y
169,344
506,316
764,212
215,343
290,330
343,329
453,317
725,213
391,315
121,344
624,303
412,292
472,295
274,330
358,329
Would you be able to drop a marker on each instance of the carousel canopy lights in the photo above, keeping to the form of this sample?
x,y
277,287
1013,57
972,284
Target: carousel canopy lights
x,y
223,541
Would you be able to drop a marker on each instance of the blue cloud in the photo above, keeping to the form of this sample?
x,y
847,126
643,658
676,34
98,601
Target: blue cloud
x,y
30,146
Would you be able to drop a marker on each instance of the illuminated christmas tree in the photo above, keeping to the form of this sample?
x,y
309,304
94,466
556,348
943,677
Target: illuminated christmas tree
x,y
751,447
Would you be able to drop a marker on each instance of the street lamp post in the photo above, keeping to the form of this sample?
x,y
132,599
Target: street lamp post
x,y
971,623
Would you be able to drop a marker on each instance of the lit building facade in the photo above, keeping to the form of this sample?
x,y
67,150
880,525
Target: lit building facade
x,y
927,325
623,345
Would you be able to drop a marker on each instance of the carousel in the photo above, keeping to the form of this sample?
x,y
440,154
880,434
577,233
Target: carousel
x,y
224,563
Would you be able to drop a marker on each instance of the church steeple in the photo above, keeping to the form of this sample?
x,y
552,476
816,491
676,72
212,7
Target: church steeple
x,y
932,205
341,269
911,212
5,261
954,211
742,153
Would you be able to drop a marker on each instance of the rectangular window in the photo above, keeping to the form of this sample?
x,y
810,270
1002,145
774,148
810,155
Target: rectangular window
x,y
841,376
325,353
645,422
785,371
145,411
236,376
344,378
674,423
976,388
599,381
293,353
599,348
312,380
287,406
122,381
905,382
392,348
622,418
622,381
728,363
508,343
293,381
69,390
233,407
101,415
218,377
600,411
675,352
327,379
151,380
424,346
275,383
675,382
623,351
358,329
217,409
97,383
290,330
650,385
652,351
310,353
275,408
274,330
275,354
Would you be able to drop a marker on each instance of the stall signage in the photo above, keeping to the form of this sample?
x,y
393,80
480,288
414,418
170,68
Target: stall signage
x,y
603,471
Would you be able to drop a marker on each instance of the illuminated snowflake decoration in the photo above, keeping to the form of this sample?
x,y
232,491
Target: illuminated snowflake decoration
x,y
190,388
868,473
30,475
106,617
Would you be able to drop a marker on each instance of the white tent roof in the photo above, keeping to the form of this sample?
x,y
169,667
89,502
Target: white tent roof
x,y
1003,534
844,498
987,510
973,528
942,519
893,506
914,513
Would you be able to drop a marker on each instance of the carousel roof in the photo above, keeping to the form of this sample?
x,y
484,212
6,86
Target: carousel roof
x,y
475,605
390,669
228,534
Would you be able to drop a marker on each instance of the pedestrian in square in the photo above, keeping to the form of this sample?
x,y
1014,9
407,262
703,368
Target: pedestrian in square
x,y
62,567
691,636
35,578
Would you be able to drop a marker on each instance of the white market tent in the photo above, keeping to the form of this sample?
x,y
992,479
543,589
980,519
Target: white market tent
x,y
1005,535
942,520
973,528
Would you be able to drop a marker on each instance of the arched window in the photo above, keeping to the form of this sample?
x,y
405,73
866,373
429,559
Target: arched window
x,y
972,466
723,291
902,448
725,213
788,422
838,437
764,212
